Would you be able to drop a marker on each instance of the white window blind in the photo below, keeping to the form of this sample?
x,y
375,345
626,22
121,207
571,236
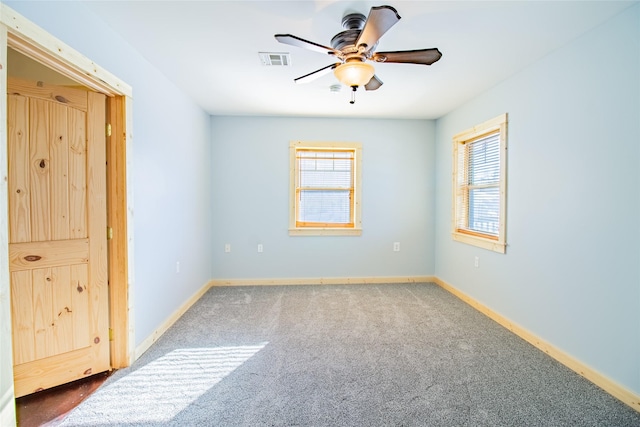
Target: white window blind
x,y
480,186
324,188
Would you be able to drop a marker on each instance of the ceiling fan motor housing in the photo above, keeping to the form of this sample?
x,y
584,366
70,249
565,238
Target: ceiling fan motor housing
x,y
345,41
353,21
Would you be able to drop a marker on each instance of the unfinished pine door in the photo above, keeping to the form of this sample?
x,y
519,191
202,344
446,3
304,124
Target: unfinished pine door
x,y
57,234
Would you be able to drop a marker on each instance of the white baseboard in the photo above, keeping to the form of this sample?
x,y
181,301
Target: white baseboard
x,y
616,390
153,337
322,281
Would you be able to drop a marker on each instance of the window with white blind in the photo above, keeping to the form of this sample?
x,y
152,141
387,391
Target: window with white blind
x,y
479,200
325,188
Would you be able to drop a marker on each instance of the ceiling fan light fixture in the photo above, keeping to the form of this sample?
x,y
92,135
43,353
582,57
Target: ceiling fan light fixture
x,y
354,73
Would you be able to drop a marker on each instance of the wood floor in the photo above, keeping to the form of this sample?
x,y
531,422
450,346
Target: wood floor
x,y
49,407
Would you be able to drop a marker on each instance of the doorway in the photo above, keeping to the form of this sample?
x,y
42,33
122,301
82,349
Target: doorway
x,y
33,43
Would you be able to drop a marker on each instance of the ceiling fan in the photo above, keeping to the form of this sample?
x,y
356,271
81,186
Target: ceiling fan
x,y
357,44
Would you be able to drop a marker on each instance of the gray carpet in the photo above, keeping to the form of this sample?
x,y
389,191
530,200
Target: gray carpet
x,y
352,355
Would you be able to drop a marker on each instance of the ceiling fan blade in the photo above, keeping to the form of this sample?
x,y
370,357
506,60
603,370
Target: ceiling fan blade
x,y
306,44
374,83
380,19
420,56
317,73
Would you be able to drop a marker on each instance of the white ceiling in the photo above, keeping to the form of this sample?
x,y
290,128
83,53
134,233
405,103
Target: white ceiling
x,y
210,50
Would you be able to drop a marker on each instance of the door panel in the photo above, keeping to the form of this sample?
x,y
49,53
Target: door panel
x,y
23,319
57,234
77,175
18,154
39,167
59,173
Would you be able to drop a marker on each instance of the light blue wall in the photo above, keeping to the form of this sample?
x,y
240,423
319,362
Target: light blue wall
x,y
571,274
250,167
171,152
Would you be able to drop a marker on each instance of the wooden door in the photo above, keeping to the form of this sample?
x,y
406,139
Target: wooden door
x,y
57,234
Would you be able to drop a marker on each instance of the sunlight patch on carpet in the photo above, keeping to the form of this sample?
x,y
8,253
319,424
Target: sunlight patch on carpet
x,y
158,391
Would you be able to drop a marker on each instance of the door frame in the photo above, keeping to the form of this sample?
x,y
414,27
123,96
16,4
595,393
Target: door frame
x,y
27,38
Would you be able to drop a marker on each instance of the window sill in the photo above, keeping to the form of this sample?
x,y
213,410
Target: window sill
x,y
325,231
480,242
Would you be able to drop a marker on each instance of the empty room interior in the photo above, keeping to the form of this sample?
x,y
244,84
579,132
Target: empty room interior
x,y
483,155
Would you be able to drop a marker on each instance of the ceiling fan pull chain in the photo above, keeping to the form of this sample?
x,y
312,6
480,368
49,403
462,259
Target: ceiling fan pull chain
x,y
353,94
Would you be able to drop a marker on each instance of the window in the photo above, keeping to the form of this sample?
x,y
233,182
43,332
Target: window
x,y
325,188
480,160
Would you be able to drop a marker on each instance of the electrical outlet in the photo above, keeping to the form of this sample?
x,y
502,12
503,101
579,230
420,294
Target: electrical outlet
x,y
177,266
227,247
396,246
476,262
260,248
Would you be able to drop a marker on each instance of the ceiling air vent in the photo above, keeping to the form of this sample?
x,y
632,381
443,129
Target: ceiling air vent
x,y
277,59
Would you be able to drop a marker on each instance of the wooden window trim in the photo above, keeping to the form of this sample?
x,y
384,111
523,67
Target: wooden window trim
x,y
476,234
353,228
496,243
